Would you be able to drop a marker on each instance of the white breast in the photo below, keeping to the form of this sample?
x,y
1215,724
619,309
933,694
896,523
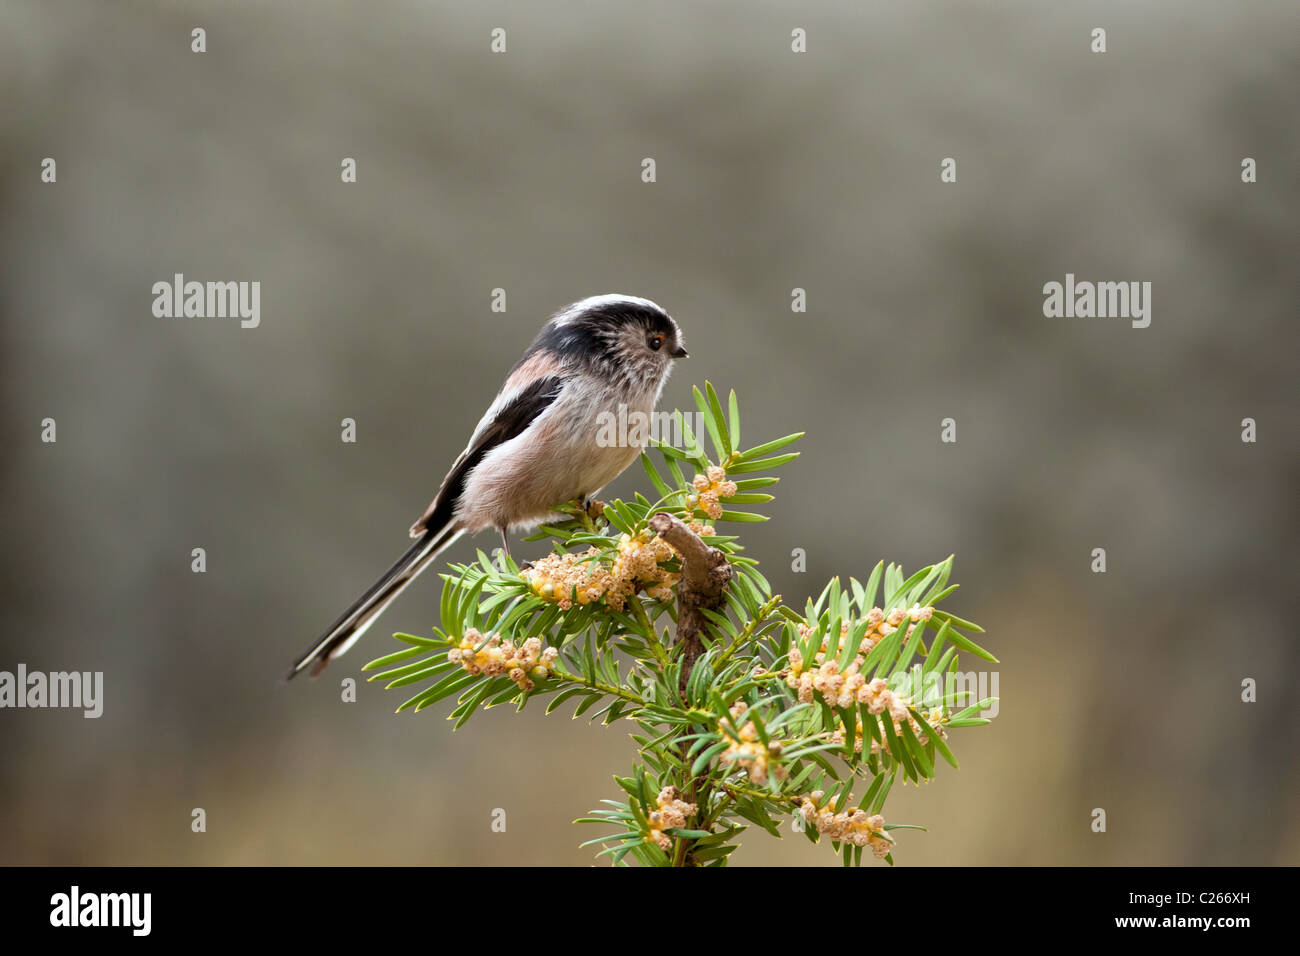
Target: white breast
x,y
555,460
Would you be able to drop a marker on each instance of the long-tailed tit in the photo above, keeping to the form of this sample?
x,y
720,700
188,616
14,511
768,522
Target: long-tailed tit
x,y
537,446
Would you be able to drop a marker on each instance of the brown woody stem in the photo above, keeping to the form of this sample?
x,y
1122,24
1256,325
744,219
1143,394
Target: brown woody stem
x,y
705,574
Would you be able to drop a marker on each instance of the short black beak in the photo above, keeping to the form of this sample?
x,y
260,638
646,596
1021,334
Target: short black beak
x,y
680,352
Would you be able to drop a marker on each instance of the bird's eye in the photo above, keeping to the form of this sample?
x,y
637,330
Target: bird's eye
x,y
655,342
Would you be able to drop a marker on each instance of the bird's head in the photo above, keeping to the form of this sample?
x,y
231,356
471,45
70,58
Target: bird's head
x,y
624,336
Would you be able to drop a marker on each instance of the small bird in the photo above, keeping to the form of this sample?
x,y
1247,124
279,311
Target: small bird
x,y
538,446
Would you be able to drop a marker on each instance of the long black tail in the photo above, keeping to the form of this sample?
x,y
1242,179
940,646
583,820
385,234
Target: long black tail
x,y
344,632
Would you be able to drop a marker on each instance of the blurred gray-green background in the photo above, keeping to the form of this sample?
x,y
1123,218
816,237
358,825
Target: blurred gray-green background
x,y
521,170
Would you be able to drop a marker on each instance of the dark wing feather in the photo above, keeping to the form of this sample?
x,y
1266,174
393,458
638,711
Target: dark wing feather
x,y
510,421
